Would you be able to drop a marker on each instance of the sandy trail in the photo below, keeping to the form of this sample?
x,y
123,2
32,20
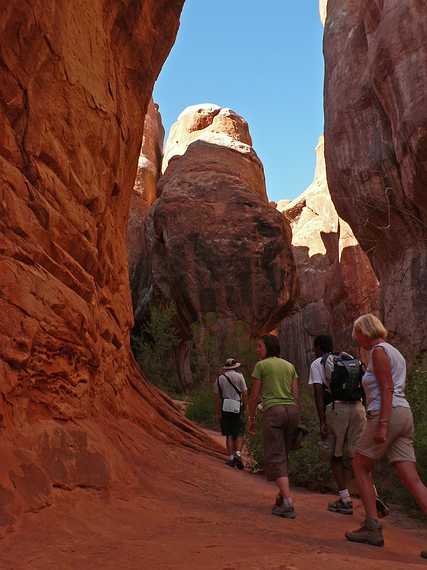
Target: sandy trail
x,y
202,515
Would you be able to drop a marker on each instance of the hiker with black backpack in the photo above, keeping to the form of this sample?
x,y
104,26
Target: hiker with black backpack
x,y
336,380
231,397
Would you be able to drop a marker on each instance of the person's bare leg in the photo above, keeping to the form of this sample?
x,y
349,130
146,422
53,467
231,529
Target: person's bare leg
x,y
230,445
284,489
408,474
362,467
339,472
238,444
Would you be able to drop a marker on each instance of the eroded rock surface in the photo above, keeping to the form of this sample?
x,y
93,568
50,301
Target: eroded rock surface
x,y
337,283
143,195
74,86
216,244
376,141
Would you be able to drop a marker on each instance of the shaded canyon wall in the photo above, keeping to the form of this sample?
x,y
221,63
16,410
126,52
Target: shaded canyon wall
x,y
376,148
336,279
75,81
143,195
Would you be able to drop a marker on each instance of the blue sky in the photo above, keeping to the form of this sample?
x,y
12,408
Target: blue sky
x,y
265,62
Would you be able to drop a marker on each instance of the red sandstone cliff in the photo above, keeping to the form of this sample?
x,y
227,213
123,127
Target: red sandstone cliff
x,y
337,282
143,195
75,82
375,145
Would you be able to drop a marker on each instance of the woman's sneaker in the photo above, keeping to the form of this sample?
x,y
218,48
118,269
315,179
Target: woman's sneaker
x,y
370,532
342,507
279,500
424,554
284,511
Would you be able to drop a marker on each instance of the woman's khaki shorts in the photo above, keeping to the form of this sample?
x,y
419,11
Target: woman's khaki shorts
x,y
399,444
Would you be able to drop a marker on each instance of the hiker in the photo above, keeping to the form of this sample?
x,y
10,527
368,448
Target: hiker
x,y
341,414
342,422
277,382
231,398
390,429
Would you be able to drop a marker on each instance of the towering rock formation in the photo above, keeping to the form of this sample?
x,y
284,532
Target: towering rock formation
x,y
216,245
143,195
74,86
376,141
337,282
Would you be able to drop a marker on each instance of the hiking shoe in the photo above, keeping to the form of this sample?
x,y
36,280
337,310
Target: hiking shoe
x,y
383,510
231,462
279,500
370,532
284,511
238,462
341,507
423,553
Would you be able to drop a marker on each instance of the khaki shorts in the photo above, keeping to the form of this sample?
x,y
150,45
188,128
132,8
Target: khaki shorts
x,y
346,422
399,445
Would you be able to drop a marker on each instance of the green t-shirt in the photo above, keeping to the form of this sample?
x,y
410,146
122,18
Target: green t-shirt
x,y
277,376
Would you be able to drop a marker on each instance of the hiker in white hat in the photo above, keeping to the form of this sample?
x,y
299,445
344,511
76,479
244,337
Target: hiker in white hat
x,y
231,397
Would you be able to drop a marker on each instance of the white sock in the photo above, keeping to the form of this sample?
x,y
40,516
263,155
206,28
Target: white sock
x,y
232,456
238,453
345,496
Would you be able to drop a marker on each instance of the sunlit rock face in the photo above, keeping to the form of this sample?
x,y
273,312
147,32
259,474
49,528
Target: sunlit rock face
x,y
75,83
142,197
336,279
323,4
216,244
376,143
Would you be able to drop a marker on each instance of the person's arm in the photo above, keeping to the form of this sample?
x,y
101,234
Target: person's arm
x,y
317,379
382,371
218,401
295,391
245,399
217,407
253,401
319,398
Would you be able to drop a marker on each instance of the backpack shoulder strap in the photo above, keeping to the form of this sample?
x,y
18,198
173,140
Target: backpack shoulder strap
x,y
235,387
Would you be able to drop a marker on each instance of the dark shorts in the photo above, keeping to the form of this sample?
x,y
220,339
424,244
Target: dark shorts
x,y
232,425
280,424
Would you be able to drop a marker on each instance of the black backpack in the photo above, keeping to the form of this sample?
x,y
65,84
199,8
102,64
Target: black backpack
x,y
346,373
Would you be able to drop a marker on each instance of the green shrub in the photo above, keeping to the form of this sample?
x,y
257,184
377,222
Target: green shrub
x,y
154,348
201,408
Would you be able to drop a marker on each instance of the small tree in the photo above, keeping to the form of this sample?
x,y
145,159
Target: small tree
x,y
155,347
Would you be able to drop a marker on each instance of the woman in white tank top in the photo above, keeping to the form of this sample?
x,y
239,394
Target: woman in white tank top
x,y
389,430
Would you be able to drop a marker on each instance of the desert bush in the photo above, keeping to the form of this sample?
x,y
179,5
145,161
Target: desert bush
x,y
201,408
154,348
